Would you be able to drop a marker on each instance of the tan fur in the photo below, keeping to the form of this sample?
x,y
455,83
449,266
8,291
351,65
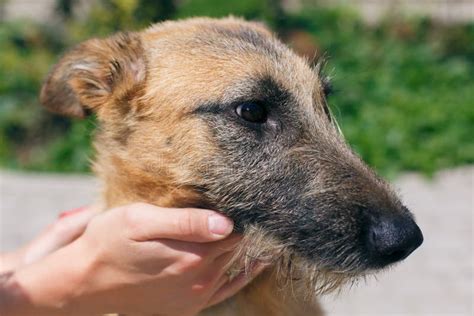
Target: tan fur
x,y
168,88
142,87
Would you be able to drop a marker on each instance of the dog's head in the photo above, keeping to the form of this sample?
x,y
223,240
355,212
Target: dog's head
x,y
219,113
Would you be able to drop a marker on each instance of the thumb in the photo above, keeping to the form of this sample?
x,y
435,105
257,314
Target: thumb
x,y
148,222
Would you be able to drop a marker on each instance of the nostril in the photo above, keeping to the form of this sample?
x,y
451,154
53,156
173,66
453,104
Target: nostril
x,y
396,255
393,239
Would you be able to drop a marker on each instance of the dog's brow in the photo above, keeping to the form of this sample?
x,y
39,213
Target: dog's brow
x,y
263,89
209,108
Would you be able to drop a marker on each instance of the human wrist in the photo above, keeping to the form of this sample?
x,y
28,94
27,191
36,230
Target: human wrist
x,y
11,295
49,287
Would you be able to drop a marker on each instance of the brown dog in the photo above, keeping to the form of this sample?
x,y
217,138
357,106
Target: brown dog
x,y
220,114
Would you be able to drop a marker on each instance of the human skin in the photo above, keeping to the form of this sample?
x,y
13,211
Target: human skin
x,y
135,259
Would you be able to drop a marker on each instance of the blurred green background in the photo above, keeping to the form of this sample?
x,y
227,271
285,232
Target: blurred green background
x,y
404,87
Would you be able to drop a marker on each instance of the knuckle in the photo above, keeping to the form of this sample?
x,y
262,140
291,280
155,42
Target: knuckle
x,y
192,261
130,217
188,225
186,263
199,289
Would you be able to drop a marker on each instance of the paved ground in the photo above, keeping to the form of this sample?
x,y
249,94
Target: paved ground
x,y
436,280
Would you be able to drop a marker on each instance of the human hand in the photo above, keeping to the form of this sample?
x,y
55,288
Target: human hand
x,y
139,259
69,225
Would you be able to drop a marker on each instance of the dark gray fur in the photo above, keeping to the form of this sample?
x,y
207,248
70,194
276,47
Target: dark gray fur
x,y
292,177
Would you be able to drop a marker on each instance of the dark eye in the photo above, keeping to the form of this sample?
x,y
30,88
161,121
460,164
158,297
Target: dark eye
x,y
252,112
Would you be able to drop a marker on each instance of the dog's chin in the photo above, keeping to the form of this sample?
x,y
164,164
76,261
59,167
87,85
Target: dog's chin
x,y
307,277
315,278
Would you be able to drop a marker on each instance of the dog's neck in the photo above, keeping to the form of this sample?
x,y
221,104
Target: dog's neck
x,y
124,183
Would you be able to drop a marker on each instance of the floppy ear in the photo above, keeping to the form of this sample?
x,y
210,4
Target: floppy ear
x,y
93,73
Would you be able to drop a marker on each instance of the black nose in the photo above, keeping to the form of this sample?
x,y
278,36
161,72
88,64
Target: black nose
x,y
391,239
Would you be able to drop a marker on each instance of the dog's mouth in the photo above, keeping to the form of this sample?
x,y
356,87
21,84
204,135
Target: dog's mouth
x,y
323,249
326,265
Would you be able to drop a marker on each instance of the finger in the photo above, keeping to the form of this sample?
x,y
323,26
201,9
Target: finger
x,y
72,212
59,234
212,274
209,252
222,264
231,288
228,269
148,222
73,223
225,246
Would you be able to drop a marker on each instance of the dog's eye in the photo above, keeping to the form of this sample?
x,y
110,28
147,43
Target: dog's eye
x,y
252,112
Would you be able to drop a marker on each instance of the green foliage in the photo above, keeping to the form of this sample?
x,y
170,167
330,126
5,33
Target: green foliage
x,y
405,93
404,88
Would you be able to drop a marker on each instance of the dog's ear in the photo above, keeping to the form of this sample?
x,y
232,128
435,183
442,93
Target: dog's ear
x,y
93,73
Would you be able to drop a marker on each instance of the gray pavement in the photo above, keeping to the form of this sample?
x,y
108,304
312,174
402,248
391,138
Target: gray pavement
x,y
436,280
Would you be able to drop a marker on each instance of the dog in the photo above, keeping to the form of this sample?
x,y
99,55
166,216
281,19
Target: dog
x,y
219,114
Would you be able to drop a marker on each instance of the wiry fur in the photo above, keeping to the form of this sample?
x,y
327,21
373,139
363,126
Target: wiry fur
x,y
305,279
168,135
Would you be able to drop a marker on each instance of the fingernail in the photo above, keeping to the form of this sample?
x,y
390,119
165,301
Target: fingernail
x,y
220,225
71,212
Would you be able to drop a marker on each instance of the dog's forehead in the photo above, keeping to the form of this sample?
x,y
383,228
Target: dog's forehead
x,y
206,59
